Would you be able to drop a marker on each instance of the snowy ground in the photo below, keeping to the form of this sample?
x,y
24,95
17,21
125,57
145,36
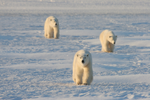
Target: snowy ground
x,y
35,68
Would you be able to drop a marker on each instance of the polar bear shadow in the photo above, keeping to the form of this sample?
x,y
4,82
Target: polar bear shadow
x,y
126,49
63,84
74,37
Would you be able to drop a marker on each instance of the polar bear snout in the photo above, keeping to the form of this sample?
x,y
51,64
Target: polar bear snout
x,y
55,23
83,61
112,42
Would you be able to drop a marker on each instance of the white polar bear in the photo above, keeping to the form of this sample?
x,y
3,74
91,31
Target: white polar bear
x,y
51,28
82,68
108,40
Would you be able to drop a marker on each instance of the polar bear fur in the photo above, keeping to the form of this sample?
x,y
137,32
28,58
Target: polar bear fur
x,y
51,28
82,68
108,40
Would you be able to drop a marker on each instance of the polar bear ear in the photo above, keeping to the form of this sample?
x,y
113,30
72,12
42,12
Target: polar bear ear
x,y
56,19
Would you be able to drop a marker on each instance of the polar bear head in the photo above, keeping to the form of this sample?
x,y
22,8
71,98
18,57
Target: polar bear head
x,y
52,21
83,58
111,37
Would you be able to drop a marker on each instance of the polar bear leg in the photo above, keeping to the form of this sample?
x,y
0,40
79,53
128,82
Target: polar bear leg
x,y
78,80
86,79
87,76
111,47
73,75
78,77
56,33
74,69
47,35
105,48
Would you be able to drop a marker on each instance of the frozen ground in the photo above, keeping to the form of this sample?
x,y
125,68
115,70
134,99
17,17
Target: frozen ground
x,y
35,68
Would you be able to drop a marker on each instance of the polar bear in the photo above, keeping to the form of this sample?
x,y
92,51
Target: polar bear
x,y
51,28
108,40
82,68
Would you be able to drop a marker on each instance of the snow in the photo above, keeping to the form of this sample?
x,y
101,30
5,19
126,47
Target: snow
x,y
35,68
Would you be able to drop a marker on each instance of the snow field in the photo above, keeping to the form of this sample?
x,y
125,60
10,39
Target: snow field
x,y
35,68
